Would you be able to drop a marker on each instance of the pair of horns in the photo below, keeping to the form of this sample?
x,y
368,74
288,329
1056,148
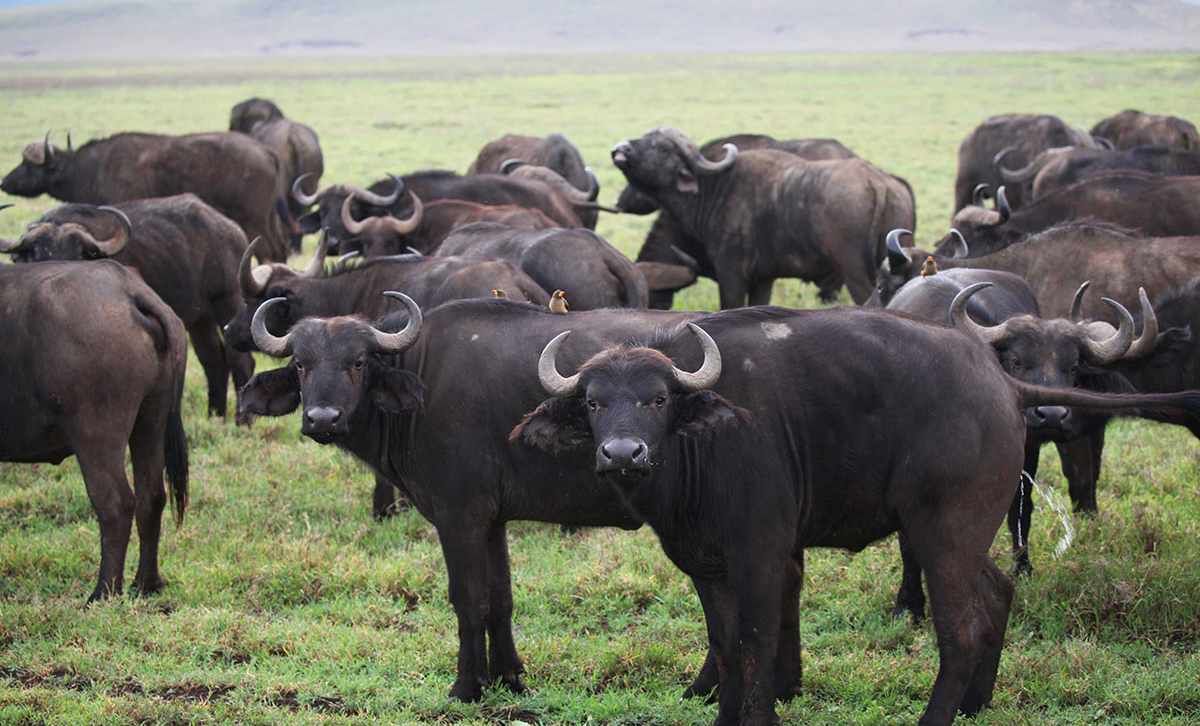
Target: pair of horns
x,y
367,197
384,342
253,280
705,377
107,247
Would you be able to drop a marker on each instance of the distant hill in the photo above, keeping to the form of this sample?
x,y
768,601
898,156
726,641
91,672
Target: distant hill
x,y
109,29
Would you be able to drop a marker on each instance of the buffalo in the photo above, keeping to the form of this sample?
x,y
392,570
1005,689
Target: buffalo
x,y
1154,205
428,225
387,198
93,363
186,251
593,272
1132,128
233,173
554,152
1024,136
1001,309
765,214
739,468
294,144
1054,169
670,258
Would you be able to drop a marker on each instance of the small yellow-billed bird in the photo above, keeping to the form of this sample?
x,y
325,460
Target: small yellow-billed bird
x,y
929,267
499,294
558,302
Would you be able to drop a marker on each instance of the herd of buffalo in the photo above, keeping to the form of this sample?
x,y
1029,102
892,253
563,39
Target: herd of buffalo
x,y
423,339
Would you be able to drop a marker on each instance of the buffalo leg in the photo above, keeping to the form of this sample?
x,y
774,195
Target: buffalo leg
x,y
241,365
732,291
758,584
1081,466
146,448
760,292
465,550
788,670
504,665
718,620
383,501
210,351
910,598
1020,513
103,466
970,600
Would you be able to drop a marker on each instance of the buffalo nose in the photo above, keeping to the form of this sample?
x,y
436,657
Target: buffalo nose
x,y
621,454
322,417
1051,415
620,152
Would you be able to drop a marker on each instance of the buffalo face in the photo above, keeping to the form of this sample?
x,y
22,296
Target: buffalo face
x,y
337,364
665,161
627,401
72,232
275,281
41,165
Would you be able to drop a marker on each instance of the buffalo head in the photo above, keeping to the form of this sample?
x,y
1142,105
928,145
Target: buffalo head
x,y
627,400
42,167
1060,353
329,203
252,112
987,229
665,162
72,232
337,363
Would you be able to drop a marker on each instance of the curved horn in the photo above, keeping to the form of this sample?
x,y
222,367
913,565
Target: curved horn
x,y
980,194
378,200
710,370
958,317
716,167
962,241
352,225
298,191
508,166
403,227
398,342
895,252
551,380
1077,301
317,264
1016,176
1002,206
594,184
1115,346
70,146
266,342
1145,342
251,288
47,149
687,260
116,243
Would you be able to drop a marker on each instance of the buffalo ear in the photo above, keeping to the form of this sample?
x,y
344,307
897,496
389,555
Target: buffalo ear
x,y
686,182
557,425
309,223
394,390
273,393
705,412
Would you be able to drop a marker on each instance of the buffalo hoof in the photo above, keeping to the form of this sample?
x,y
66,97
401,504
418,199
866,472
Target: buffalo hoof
x,y
244,418
787,688
915,612
102,593
705,691
513,682
466,690
149,587
1022,568
1087,509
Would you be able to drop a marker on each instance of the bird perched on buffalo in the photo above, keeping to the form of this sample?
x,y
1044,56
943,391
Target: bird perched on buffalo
x,y
558,302
499,294
929,267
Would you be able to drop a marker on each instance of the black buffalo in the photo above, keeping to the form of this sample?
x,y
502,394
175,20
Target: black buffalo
x,y
1001,309
185,250
1054,169
1027,135
1154,205
554,152
1132,128
428,225
93,363
387,198
592,272
741,466
235,174
670,257
761,215
294,144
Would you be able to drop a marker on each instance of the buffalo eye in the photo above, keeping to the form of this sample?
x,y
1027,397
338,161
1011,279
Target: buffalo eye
x,y
592,405
358,364
660,401
299,367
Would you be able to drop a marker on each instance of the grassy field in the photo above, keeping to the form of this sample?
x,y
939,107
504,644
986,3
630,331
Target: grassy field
x,y
286,602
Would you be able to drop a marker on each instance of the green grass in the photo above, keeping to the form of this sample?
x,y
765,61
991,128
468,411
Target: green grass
x,y
286,602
